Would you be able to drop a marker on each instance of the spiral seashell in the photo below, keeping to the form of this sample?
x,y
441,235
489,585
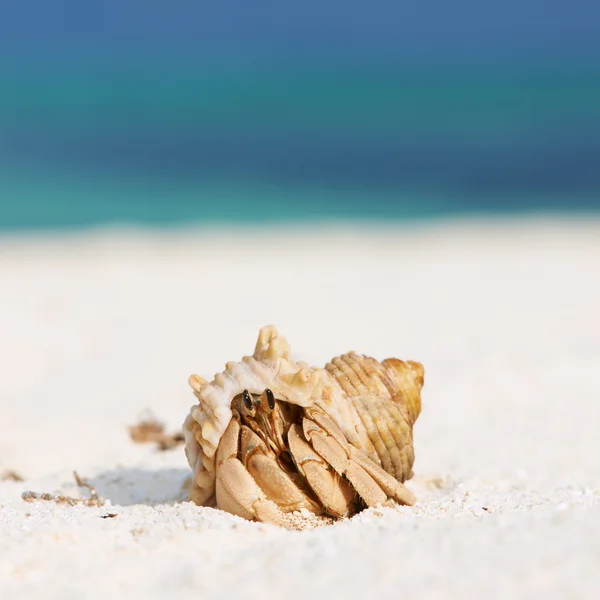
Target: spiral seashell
x,y
387,399
375,404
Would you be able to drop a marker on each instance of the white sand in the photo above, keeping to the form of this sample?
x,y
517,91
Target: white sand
x,y
505,317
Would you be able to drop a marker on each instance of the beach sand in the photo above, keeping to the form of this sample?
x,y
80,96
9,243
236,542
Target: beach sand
x,y
98,327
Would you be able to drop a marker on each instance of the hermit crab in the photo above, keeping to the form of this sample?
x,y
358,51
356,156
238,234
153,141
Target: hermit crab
x,y
271,439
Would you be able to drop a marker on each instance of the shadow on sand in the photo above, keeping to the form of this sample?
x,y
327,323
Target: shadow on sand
x,y
125,486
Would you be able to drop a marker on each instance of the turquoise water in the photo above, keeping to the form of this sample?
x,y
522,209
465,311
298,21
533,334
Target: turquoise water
x,y
156,145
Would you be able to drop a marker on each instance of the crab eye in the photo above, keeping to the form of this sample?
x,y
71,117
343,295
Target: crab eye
x,y
247,400
270,398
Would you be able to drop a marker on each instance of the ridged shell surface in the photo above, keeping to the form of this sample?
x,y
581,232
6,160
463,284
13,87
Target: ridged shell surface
x,y
374,403
386,397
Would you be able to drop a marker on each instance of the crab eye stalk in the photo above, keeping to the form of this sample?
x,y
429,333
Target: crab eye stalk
x,y
270,398
247,400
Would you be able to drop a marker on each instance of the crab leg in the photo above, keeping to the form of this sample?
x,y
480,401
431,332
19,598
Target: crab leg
x,y
336,495
373,484
236,490
391,486
270,477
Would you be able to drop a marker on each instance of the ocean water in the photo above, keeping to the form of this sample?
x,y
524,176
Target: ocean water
x,y
165,145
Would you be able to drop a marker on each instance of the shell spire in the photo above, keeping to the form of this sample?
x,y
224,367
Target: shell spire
x,y
408,378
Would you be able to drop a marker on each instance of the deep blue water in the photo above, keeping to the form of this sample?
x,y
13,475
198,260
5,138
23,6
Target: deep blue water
x,y
164,145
